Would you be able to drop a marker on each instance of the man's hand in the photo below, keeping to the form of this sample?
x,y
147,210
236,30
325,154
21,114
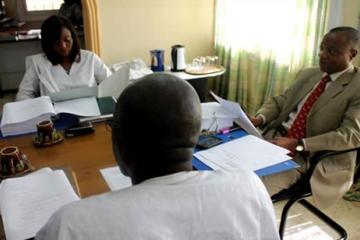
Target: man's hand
x,y
288,143
256,121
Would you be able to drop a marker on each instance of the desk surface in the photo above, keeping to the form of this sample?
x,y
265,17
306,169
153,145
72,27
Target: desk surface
x,y
85,155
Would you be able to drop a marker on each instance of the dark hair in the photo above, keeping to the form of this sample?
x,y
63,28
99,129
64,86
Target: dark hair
x,y
51,32
351,34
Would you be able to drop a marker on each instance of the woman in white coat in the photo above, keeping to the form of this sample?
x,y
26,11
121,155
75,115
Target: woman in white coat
x,y
62,65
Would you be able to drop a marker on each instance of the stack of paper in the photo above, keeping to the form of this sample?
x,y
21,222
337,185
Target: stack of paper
x,y
26,203
247,152
22,117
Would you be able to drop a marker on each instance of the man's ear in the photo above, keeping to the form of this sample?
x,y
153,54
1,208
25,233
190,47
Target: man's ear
x,y
353,52
120,155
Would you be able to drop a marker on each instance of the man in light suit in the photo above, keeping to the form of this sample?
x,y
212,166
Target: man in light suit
x,y
308,118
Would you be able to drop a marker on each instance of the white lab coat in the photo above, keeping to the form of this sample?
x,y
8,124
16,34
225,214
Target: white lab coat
x,y
186,205
42,78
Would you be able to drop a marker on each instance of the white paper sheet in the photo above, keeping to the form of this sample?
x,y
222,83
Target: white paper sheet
x,y
74,93
115,179
215,117
116,83
15,112
246,152
83,107
40,171
28,202
235,108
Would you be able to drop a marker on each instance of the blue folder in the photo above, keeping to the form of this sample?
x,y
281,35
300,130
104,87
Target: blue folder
x,y
280,167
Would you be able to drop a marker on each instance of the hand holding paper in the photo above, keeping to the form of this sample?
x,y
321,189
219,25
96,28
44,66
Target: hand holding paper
x,y
243,120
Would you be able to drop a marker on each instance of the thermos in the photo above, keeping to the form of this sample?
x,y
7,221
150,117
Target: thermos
x,y
2,9
178,62
157,60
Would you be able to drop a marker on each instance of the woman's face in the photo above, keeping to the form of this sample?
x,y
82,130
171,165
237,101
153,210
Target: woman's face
x,y
64,45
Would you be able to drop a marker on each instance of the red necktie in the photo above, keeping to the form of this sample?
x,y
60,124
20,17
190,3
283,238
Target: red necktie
x,y
298,128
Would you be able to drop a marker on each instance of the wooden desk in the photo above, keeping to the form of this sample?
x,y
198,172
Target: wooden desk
x,y
85,155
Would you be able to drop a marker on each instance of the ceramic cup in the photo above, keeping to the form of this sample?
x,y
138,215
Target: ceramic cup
x,y
45,132
12,161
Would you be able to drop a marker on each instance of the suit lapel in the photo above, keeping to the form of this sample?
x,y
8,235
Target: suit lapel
x,y
305,89
334,89
300,93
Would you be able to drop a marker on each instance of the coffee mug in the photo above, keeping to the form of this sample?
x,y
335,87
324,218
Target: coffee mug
x,y
12,161
45,132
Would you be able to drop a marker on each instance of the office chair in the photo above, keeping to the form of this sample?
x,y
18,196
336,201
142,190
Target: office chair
x,y
301,190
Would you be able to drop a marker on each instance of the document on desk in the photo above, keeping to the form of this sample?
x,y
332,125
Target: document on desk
x,y
115,179
26,203
246,152
243,120
21,117
82,107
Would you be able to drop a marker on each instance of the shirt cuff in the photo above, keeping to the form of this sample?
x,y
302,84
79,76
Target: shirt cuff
x,y
263,118
304,144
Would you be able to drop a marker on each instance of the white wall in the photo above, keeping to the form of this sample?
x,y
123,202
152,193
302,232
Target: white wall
x,y
350,17
130,28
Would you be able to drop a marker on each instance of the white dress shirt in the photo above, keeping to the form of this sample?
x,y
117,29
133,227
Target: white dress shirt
x,y
42,77
186,205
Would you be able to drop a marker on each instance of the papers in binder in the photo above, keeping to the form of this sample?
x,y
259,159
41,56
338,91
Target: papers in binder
x,y
246,152
26,203
22,117
235,109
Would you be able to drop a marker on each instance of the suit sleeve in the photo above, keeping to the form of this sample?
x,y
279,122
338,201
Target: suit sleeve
x,y
30,84
272,108
346,136
275,106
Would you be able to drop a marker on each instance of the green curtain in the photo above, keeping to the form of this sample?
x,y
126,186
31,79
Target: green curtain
x,y
263,44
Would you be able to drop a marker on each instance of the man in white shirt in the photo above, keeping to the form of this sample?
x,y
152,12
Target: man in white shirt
x,y
320,112
155,128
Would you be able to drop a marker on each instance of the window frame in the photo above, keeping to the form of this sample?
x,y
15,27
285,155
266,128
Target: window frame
x,y
25,15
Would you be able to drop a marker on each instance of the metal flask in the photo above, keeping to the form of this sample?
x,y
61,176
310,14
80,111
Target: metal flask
x,y
178,62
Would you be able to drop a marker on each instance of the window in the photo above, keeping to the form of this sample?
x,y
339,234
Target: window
x,y
42,5
33,10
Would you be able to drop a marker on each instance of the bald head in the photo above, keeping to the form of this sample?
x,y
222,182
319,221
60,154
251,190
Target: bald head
x,y
157,122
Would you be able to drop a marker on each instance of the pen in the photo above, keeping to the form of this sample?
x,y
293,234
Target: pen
x,y
228,130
